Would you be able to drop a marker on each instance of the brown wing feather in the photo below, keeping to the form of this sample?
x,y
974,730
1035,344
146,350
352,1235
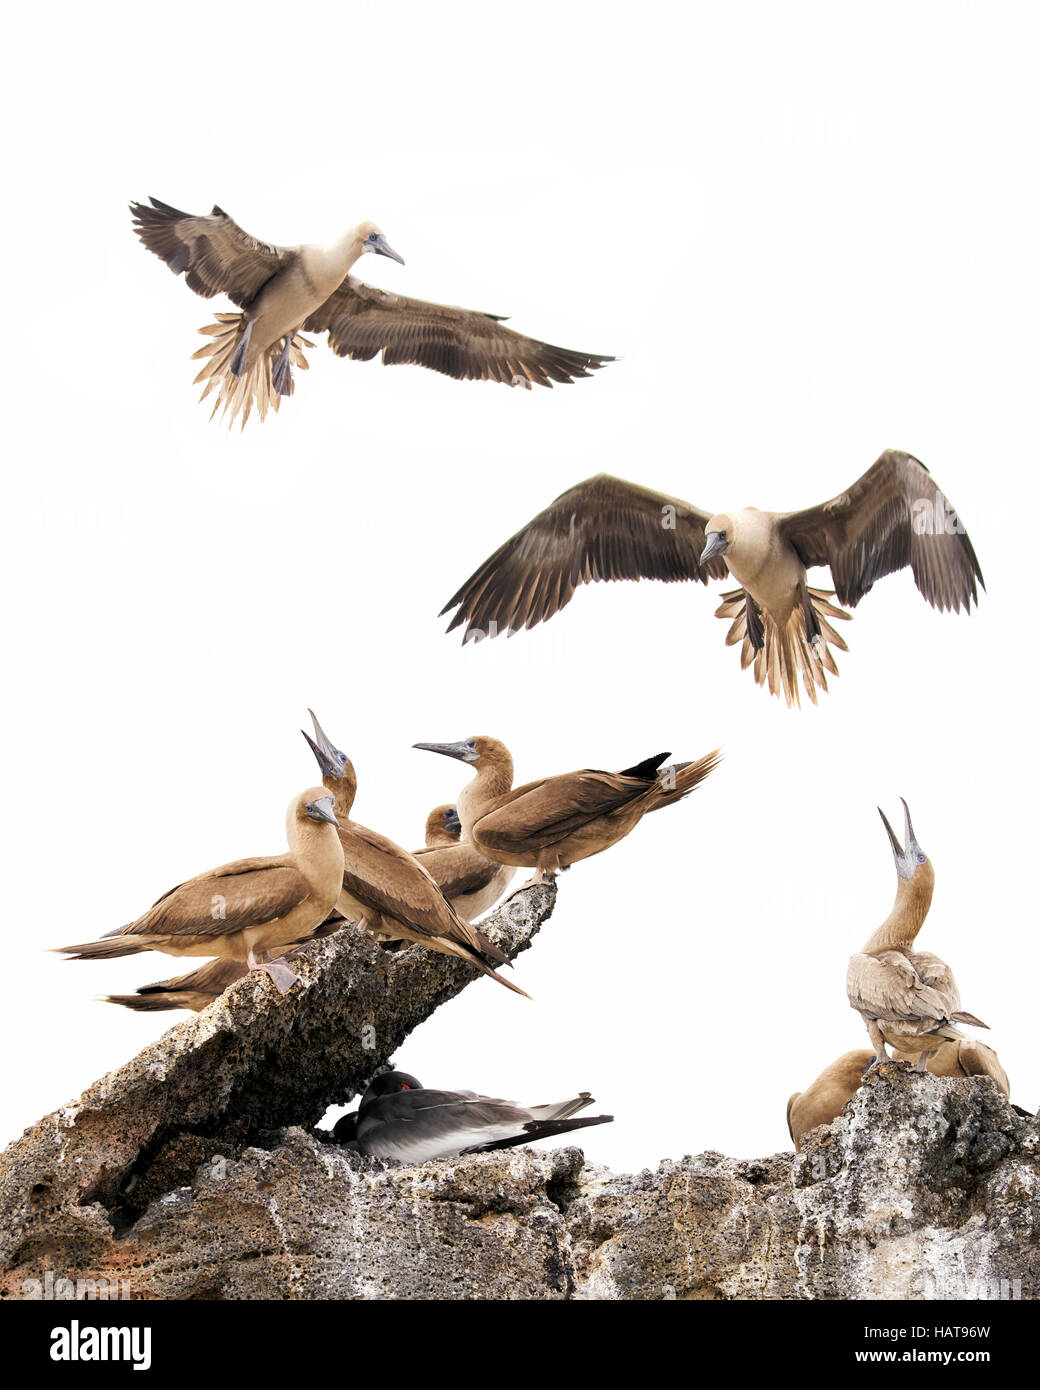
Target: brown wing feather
x,y
243,894
458,869
602,529
892,517
363,321
542,813
215,254
888,986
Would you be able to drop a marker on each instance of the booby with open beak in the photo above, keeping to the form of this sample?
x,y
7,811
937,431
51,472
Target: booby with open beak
x,y
552,823
247,909
907,998
399,1119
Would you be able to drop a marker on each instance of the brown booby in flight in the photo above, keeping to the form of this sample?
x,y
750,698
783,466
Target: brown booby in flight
x,y
605,528
552,823
471,882
907,998
824,1100
246,909
284,289
399,1119
385,889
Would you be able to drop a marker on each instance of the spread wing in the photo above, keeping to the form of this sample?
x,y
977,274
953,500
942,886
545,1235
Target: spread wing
x,y
889,986
363,321
892,517
246,893
214,253
602,529
542,813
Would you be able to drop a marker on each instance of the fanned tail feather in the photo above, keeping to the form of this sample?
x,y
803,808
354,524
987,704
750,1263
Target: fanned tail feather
x,y
237,395
785,655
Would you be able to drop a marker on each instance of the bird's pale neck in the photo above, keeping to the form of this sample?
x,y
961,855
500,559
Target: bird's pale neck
x,y
318,851
493,778
346,251
913,899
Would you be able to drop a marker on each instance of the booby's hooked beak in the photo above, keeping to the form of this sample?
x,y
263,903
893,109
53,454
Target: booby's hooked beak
x,y
379,246
465,750
452,824
911,854
332,762
717,543
321,810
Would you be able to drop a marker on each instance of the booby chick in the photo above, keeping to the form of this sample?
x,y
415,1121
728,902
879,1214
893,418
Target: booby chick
x,y
282,290
385,890
401,1120
822,1102
552,823
246,909
907,998
471,882
606,528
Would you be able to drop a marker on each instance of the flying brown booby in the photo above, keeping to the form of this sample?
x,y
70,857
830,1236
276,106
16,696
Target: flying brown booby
x,y
605,528
400,1119
282,290
824,1100
471,882
907,998
385,890
552,823
246,909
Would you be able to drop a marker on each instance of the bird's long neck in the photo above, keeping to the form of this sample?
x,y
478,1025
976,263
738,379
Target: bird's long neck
x,y
318,853
494,777
343,790
345,252
913,898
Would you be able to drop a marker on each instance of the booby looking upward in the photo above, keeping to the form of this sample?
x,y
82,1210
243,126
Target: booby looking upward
x,y
385,889
907,998
248,908
824,1100
283,289
606,528
401,1120
470,881
552,823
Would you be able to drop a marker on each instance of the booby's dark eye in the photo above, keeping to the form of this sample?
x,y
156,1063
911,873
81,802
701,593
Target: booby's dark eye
x,y
373,236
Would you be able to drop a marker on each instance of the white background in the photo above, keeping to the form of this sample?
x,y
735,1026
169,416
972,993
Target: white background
x,y
809,231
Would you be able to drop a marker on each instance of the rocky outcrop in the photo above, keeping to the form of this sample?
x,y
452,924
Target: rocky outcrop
x,y
195,1172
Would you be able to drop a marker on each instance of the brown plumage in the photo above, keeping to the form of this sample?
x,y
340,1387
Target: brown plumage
x,y
609,529
552,823
824,1100
284,289
907,998
248,908
471,882
385,889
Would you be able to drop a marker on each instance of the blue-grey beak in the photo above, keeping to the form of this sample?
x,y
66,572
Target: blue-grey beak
x,y
321,810
452,824
717,543
906,856
332,762
378,244
463,750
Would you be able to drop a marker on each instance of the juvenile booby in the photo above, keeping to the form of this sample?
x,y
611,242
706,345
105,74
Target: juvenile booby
x,y
907,998
248,908
399,1119
385,889
470,881
606,528
552,823
824,1100
283,289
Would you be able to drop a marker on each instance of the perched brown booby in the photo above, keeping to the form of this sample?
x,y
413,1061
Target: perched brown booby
x,y
606,528
552,823
471,882
199,988
385,889
248,908
907,998
399,1119
283,289
824,1100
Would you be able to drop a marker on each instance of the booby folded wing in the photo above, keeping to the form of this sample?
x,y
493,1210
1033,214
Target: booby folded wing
x,y
239,895
542,813
892,517
887,986
601,529
458,870
215,254
363,321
